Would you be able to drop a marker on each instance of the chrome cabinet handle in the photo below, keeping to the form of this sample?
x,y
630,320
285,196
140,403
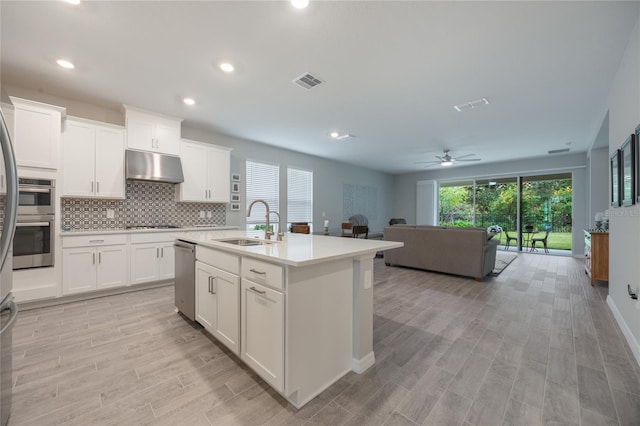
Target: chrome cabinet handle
x,y
95,241
157,252
257,291
97,186
91,186
257,272
161,251
100,257
209,283
94,258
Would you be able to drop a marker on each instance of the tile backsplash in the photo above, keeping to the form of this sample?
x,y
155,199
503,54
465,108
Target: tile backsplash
x,y
146,203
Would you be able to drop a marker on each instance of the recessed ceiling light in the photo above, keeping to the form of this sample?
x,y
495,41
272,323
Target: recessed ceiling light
x,y
300,4
72,1
226,67
65,64
189,101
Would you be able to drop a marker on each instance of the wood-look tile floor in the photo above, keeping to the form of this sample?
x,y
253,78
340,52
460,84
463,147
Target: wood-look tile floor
x,y
535,345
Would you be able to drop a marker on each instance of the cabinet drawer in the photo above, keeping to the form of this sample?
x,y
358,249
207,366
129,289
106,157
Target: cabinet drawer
x,y
152,237
263,272
219,259
93,240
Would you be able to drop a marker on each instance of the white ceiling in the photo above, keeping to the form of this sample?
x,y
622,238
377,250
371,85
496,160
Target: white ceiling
x,y
393,70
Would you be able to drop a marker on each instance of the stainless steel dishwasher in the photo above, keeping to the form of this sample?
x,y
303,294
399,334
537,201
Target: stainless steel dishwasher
x,y
185,281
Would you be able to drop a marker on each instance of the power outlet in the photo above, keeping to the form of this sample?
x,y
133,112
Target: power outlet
x,y
201,214
209,214
111,213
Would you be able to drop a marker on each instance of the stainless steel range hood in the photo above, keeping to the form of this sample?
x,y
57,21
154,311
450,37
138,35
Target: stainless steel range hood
x,y
143,165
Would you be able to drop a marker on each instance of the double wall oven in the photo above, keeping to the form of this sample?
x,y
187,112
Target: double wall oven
x,y
33,243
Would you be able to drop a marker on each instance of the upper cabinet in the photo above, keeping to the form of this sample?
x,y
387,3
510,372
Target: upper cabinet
x,y
37,129
147,131
93,160
206,171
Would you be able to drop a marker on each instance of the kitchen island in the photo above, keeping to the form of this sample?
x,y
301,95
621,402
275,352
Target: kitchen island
x,y
299,312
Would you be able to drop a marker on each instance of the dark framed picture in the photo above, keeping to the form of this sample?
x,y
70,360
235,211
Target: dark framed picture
x,y
637,170
235,207
235,198
235,187
627,171
615,179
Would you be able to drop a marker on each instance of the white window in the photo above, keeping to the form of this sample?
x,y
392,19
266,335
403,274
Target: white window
x,y
299,196
263,183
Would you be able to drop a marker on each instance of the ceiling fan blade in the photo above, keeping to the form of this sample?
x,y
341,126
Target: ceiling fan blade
x,y
469,159
428,162
462,156
439,158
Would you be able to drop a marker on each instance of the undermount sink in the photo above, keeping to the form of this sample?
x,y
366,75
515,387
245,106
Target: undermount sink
x,y
246,242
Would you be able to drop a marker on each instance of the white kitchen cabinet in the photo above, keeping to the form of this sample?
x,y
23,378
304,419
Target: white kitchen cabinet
x,y
263,331
92,263
152,261
37,129
206,171
218,304
148,131
93,160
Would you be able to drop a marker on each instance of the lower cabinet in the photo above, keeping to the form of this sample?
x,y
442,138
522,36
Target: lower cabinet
x,y
218,304
263,331
93,268
152,262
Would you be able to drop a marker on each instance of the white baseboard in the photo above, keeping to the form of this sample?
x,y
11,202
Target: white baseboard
x,y
360,365
631,339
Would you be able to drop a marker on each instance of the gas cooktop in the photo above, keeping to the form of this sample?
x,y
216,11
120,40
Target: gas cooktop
x,y
152,227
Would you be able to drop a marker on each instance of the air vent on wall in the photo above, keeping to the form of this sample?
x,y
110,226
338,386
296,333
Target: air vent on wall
x,y
558,151
307,81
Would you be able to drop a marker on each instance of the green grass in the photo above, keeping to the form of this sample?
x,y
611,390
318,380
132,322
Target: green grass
x,y
556,240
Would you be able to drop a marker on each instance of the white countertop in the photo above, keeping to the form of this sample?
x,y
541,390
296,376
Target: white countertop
x,y
145,231
295,250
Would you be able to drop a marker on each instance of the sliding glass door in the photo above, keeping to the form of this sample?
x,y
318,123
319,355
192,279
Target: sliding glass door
x,y
541,203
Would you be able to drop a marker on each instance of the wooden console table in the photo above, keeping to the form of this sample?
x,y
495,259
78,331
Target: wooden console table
x,y
596,255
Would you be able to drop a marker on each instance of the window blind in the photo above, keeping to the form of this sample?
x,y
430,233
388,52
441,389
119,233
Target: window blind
x,y
263,183
299,196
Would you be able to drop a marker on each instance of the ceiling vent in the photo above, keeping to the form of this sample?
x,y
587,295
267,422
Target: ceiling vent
x,y
471,104
558,151
307,81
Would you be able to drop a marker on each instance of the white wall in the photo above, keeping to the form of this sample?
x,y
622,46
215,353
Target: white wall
x,y
624,226
405,185
328,179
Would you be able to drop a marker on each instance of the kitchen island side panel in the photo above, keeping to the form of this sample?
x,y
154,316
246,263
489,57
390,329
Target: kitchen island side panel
x,y
319,324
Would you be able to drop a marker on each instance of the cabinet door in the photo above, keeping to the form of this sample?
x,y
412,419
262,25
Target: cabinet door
x,y
78,270
167,261
226,286
167,139
194,167
78,159
109,163
37,138
144,263
141,133
205,297
111,270
219,178
263,332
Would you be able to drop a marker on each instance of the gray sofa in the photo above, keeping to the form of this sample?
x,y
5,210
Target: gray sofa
x,y
460,251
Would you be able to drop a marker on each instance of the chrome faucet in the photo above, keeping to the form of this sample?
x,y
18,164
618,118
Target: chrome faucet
x,y
267,231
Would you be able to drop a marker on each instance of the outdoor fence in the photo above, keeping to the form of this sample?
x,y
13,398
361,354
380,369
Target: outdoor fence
x,y
553,222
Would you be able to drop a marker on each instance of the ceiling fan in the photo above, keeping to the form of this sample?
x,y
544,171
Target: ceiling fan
x,y
447,160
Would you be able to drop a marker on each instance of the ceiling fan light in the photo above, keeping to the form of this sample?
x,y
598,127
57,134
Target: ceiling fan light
x,y
447,163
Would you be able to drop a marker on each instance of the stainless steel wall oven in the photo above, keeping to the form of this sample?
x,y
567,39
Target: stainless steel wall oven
x,y
34,240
